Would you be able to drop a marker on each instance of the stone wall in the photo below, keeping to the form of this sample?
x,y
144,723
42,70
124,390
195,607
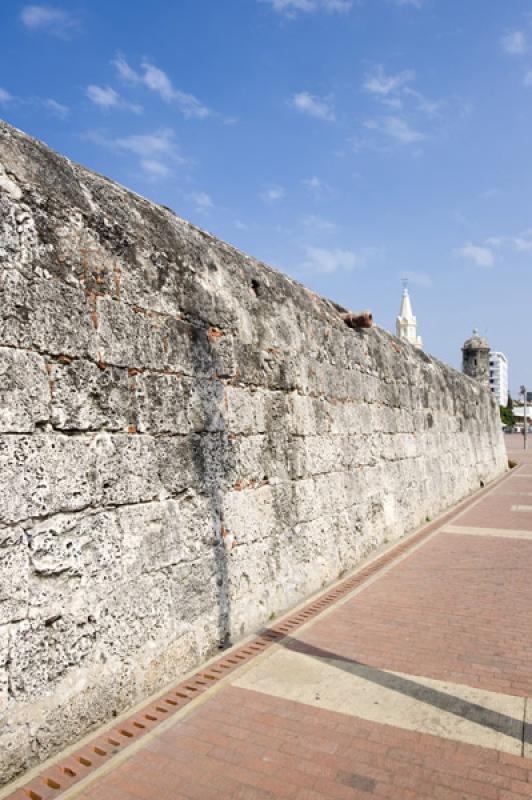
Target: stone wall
x,y
190,443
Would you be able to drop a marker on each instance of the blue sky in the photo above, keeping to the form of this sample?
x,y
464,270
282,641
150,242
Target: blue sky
x,y
347,143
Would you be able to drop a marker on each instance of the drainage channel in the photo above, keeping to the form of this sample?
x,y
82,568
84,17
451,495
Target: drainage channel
x,y
66,772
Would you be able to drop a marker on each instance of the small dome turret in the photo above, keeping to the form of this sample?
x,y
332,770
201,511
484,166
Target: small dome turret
x,y
476,358
476,342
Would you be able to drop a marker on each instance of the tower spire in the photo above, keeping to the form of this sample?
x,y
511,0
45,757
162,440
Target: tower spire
x,y
406,325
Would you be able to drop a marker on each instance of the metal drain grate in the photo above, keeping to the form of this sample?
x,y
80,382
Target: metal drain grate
x,y
67,772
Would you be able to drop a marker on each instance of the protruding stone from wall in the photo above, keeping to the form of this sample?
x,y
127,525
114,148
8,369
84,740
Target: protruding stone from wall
x,y
190,442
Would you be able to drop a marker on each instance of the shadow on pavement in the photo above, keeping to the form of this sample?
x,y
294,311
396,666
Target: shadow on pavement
x,y
501,723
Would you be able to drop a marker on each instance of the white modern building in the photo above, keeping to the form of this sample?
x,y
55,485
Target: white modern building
x,y
499,376
406,325
519,414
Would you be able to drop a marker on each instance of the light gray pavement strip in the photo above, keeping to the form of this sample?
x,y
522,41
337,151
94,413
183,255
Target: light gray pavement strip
x,y
139,744
452,711
471,530
522,509
527,745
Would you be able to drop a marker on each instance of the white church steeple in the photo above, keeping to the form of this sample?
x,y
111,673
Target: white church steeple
x,y
406,325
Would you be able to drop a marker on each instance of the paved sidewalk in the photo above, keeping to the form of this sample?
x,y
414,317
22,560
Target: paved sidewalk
x,y
413,684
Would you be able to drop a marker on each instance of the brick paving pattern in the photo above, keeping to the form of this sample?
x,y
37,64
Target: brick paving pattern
x,y
248,745
444,613
457,608
496,511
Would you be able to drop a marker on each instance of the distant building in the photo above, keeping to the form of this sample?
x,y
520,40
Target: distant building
x,y
519,414
499,377
406,325
476,358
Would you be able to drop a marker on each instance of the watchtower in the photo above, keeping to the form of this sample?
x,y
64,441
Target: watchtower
x,y
476,358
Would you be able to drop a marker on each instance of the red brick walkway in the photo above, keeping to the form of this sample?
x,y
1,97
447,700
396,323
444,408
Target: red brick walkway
x,y
457,609
247,745
444,613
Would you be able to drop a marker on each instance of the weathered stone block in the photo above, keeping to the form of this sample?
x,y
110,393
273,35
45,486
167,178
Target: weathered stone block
x,y
171,404
45,315
161,535
141,339
43,474
47,473
14,575
89,397
24,391
15,750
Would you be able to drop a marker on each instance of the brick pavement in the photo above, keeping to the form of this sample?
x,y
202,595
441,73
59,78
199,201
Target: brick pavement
x,y
244,744
456,608
498,511
444,612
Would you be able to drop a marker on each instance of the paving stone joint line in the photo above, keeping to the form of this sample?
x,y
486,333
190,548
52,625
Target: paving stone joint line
x,y
86,763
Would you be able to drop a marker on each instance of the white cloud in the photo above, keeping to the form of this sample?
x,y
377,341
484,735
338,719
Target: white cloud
x,y
273,194
428,107
400,130
154,168
103,96
202,200
487,194
316,187
514,43
523,245
158,143
528,78
106,97
381,84
158,81
313,183
415,3
479,255
58,109
520,243
312,105
326,262
395,92
318,224
49,19
291,7
55,108
124,70
392,102
157,152
397,129
337,5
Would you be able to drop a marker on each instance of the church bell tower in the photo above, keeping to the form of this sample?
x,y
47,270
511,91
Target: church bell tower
x,y
406,325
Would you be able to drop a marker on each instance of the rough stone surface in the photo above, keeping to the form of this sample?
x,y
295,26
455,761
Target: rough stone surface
x,y
190,443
